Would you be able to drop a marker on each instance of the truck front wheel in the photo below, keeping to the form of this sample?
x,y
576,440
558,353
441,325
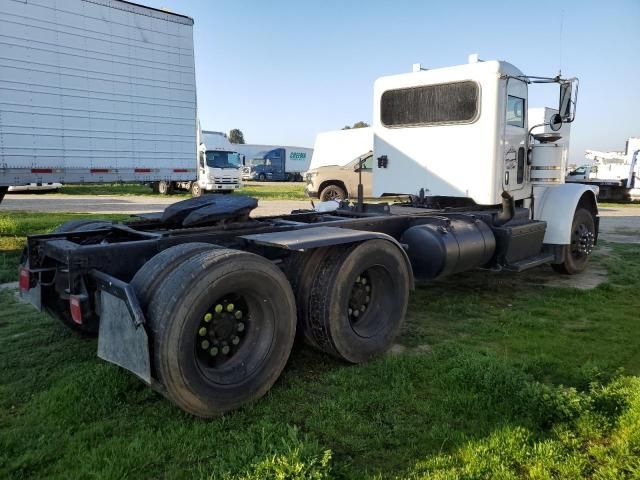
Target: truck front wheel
x,y
196,189
357,301
583,236
222,325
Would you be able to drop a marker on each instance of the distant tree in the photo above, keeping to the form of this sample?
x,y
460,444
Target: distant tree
x,y
236,136
359,124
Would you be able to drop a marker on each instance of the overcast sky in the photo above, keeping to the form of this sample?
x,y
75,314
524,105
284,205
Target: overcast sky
x,y
282,71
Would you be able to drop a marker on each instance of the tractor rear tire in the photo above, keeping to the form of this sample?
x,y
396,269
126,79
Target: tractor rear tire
x,y
222,326
355,305
147,280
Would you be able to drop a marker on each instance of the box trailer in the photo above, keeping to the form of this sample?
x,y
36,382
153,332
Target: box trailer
x,y
96,91
202,301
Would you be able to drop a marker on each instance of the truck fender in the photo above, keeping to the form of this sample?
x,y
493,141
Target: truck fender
x,y
316,237
557,204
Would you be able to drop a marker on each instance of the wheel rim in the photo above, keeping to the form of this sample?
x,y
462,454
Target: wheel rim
x,y
333,194
582,241
234,336
370,301
221,331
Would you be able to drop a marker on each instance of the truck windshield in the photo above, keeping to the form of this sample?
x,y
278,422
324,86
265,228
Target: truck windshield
x,y
221,159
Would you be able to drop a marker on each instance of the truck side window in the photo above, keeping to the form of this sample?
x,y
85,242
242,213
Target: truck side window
x,y
455,102
368,163
515,111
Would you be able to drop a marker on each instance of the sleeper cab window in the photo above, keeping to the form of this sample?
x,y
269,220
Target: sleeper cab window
x,y
515,111
445,103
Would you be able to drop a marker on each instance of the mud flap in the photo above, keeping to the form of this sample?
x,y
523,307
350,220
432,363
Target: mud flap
x,y
120,341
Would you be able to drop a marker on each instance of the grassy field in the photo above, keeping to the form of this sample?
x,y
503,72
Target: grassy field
x,y
492,378
271,191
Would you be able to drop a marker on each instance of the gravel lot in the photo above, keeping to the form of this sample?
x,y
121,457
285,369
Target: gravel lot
x,y
617,224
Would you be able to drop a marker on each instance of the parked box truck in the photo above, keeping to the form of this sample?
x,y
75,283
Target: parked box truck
x,y
96,91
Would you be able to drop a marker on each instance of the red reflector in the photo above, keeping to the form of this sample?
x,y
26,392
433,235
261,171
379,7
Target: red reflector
x,y
76,311
180,170
41,170
100,170
25,279
142,170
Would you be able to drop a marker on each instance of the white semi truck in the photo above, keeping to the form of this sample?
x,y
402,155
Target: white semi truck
x,y
274,163
203,301
96,91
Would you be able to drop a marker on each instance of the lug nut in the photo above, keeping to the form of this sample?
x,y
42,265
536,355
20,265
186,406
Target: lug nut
x,y
235,340
230,307
367,288
218,308
238,314
208,317
364,281
202,332
350,311
363,308
214,351
225,349
356,313
367,299
205,344
240,327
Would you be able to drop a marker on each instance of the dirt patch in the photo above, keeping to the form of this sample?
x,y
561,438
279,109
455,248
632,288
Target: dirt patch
x,y
593,276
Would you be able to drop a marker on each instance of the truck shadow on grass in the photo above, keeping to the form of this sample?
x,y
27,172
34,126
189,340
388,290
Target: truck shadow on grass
x,y
517,377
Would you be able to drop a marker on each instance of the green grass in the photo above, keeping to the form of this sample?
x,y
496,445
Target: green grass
x,y
271,191
498,379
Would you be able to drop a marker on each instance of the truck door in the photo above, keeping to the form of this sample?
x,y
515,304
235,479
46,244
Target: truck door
x,y
516,173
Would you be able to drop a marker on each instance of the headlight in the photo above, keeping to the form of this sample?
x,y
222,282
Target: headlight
x,y
310,175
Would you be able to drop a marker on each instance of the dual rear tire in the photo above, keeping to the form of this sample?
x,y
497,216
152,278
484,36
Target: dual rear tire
x,y
222,324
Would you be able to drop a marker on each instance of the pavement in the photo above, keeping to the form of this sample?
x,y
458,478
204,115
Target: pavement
x,y
617,223
126,204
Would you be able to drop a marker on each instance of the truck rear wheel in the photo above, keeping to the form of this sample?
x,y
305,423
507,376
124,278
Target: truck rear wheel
x,y
222,326
148,279
165,187
357,301
583,235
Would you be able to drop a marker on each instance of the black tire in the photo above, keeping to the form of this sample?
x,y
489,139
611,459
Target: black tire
x,y
333,192
165,187
339,289
154,187
207,386
262,177
576,255
57,307
196,189
147,280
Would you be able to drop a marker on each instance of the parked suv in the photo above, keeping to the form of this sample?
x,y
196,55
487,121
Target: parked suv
x,y
334,182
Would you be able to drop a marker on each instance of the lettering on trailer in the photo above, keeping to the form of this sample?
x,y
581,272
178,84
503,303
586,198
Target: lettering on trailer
x,y
297,156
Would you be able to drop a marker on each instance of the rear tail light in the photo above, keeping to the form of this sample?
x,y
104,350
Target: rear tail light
x,y
25,279
76,310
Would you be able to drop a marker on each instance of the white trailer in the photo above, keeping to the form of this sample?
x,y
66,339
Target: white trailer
x,y
95,91
339,147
